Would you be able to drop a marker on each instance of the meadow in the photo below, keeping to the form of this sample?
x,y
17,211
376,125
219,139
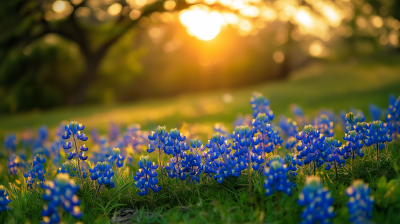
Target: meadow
x,y
213,191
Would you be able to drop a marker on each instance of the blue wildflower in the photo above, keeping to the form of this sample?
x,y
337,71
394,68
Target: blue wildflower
x,y
73,133
36,174
176,147
71,167
103,173
192,160
393,117
318,202
276,178
61,191
351,120
15,164
260,104
377,134
146,177
334,154
360,204
291,162
324,125
310,147
265,138
116,158
4,200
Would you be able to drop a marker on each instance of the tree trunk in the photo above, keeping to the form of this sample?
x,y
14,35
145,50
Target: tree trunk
x,y
92,63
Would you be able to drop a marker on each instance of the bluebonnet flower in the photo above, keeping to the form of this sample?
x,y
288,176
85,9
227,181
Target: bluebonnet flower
x,y
360,204
10,143
260,104
377,134
334,154
375,112
310,147
71,167
15,164
265,138
36,174
324,125
73,132
243,142
277,179
40,144
353,145
103,173
318,202
351,120
116,158
393,117
176,146
290,128
291,162
60,193
4,200
146,177
192,160
219,159
159,139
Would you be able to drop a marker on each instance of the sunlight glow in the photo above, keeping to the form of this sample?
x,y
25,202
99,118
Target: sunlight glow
x,y
201,22
59,6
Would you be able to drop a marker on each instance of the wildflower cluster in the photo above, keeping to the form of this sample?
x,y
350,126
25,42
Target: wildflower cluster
x,y
146,177
290,129
360,203
324,125
73,133
311,147
318,202
176,147
36,174
61,191
260,104
71,167
103,173
191,160
116,158
276,178
4,200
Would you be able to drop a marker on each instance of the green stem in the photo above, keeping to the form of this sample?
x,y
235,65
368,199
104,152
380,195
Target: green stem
x,y
97,192
77,158
152,200
315,169
160,164
277,202
352,164
337,177
377,158
249,173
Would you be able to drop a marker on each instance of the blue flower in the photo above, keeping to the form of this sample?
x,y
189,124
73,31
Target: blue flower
x,y
377,133
191,161
4,200
146,177
10,143
311,147
116,158
318,202
73,133
71,167
333,154
243,142
353,145
291,161
36,174
61,191
260,104
324,125
360,204
176,146
103,173
15,163
276,178
393,116
351,119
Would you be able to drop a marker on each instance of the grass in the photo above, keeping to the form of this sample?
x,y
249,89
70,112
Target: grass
x,y
333,87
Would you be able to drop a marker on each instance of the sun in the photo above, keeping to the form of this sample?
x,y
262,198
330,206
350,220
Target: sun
x,y
201,22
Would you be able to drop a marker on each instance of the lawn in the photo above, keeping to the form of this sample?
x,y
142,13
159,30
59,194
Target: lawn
x,y
334,86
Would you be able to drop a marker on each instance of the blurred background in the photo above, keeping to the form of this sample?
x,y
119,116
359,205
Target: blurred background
x,y
103,52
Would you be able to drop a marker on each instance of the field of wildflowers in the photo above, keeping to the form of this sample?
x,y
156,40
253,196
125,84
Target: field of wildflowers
x,y
264,168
